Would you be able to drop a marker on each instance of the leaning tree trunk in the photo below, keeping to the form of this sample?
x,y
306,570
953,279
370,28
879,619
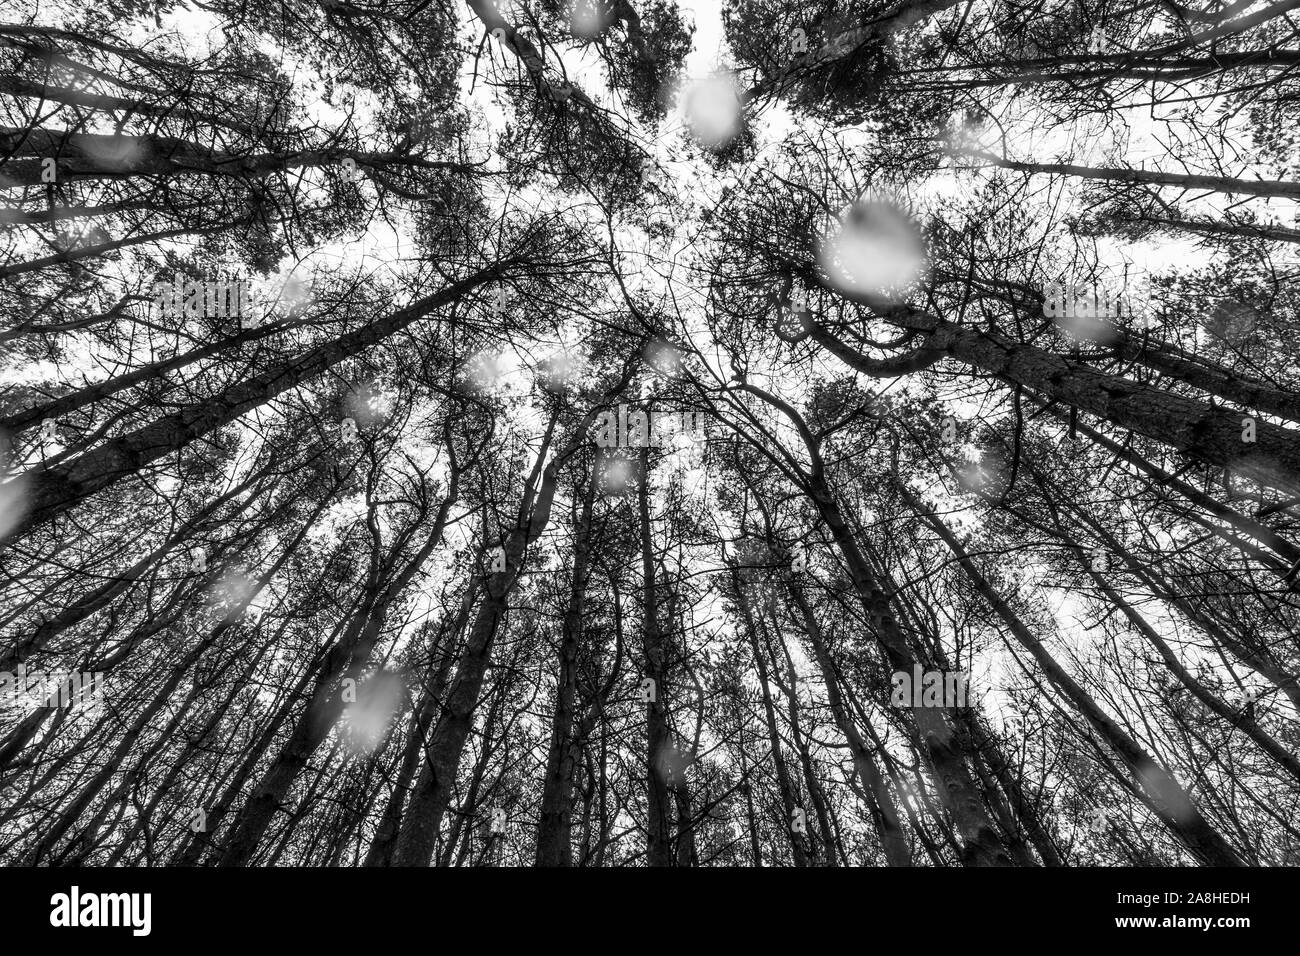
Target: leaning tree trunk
x,y
345,660
1164,795
789,803
418,836
1209,433
1223,184
812,780
430,701
884,814
56,490
980,845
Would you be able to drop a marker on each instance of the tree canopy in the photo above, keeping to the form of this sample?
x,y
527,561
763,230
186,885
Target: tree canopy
x,y
635,432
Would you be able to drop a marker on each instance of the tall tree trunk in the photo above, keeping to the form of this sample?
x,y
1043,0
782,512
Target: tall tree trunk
x,y
1223,184
658,752
554,839
345,661
90,394
789,801
1247,526
54,491
104,595
980,844
812,779
102,156
430,703
893,841
419,833
1211,434
1028,816
1163,794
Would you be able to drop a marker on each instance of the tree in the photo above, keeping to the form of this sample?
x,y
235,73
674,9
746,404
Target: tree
x,y
493,434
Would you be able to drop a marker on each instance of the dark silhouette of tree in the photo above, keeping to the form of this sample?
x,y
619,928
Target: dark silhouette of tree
x,y
508,434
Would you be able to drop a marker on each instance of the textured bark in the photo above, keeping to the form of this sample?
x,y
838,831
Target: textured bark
x,y
1209,433
530,58
1210,377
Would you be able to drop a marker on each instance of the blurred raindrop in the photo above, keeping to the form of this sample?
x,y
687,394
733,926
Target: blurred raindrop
x,y
713,111
664,358
13,503
585,20
876,251
379,700
113,152
1167,792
